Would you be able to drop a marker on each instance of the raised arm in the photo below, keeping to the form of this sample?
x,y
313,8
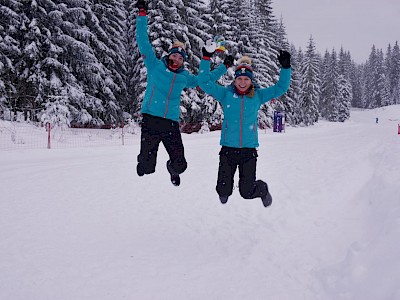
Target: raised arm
x,y
205,79
142,37
214,76
283,83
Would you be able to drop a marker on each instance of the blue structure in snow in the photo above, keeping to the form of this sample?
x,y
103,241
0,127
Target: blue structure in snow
x,y
279,121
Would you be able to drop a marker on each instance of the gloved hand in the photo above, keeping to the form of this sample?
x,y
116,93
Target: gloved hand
x,y
228,61
209,49
142,6
284,59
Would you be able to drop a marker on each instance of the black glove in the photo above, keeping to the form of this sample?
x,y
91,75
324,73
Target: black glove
x,y
284,59
206,53
141,5
228,61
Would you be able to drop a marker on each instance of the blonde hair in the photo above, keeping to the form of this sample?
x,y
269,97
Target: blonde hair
x,y
244,60
178,44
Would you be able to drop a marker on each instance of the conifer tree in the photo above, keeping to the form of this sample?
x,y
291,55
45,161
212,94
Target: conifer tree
x,y
193,106
356,74
220,12
9,54
345,89
310,85
344,99
36,55
393,74
376,92
109,27
292,100
137,73
332,89
286,102
325,87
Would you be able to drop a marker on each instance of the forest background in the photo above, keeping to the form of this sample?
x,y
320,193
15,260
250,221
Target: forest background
x,y
76,62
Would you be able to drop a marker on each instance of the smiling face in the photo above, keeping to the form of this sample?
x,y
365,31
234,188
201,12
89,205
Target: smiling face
x,y
242,83
176,60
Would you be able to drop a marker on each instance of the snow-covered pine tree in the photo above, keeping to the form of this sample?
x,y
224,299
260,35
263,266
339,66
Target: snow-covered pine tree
x,y
376,93
9,54
35,43
368,78
220,11
344,63
344,100
193,103
332,89
310,85
393,73
242,24
137,73
387,66
109,26
287,102
325,88
345,88
268,37
356,73
291,104
299,61
78,40
281,38
199,30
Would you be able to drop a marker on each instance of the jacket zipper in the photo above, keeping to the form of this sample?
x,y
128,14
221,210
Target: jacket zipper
x,y
241,120
169,95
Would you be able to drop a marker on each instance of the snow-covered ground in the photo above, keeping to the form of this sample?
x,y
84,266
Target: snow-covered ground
x,y
79,224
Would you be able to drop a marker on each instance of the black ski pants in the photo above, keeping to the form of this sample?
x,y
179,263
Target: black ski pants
x,y
246,159
154,131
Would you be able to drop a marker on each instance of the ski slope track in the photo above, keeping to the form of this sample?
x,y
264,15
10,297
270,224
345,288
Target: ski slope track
x,y
80,224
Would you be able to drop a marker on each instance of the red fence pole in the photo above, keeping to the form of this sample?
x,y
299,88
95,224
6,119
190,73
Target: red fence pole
x,y
48,136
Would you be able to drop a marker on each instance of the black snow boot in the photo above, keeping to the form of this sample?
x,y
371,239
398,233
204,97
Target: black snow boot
x,y
266,197
139,170
223,199
175,179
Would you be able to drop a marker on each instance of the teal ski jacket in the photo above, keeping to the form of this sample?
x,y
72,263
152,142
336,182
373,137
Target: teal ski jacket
x,y
164,87
240,125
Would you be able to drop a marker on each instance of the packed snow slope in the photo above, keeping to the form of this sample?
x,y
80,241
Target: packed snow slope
x,y
80,224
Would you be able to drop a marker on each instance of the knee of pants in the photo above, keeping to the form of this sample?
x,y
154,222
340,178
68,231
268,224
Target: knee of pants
x,y
246,189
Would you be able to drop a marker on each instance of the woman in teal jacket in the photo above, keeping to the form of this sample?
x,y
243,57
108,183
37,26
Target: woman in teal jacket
x,y
239,137
166,79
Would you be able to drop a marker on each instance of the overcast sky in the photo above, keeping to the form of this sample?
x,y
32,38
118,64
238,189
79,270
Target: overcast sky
x,y
354,24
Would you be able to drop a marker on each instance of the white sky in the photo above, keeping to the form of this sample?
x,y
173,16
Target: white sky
x,y
354,24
